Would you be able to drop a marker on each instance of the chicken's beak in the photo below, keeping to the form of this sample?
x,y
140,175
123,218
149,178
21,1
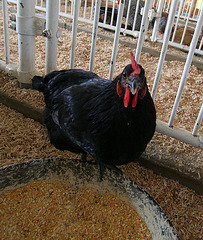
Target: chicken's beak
x,y
133,85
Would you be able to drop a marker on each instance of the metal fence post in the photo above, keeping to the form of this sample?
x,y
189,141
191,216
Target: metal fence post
x,y
5,25
26,41
52,35
74,32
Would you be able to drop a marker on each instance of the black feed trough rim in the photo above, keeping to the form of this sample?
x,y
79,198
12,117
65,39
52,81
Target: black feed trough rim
x,y
86,174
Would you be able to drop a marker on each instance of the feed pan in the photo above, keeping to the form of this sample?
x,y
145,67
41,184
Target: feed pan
x,y
81,174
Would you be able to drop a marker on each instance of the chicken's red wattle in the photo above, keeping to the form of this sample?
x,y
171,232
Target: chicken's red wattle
x,y
126,97
135,97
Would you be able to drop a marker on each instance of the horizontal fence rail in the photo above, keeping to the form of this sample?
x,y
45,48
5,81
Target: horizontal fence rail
x,y
120,18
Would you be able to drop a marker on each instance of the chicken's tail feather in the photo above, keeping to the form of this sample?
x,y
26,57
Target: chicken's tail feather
x,y
38,83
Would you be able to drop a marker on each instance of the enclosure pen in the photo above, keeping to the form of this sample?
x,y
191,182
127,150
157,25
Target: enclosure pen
x,y
40,36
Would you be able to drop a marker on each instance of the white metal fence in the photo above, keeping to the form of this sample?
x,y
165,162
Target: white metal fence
x,y
136,23
186,16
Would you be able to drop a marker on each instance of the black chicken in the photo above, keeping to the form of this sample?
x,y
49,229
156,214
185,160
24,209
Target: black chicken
x,y
162,24
113,121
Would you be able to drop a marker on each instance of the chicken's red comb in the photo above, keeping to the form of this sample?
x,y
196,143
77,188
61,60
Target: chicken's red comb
x,y
136,68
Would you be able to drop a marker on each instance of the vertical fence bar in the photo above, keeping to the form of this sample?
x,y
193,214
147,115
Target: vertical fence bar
x,y
113,12
156,25
135,16
164,46
186,68
5,26
187,9
143,29
66,2
92,10
52,13
182,14
74,32
178,17
106,10
198,122
59,5
85,9
116,39
94,34
166,6
195,8
128,11
72,7
26,41
188,17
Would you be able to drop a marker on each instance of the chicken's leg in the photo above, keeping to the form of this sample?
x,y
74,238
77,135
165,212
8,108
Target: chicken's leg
x,y
99,167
